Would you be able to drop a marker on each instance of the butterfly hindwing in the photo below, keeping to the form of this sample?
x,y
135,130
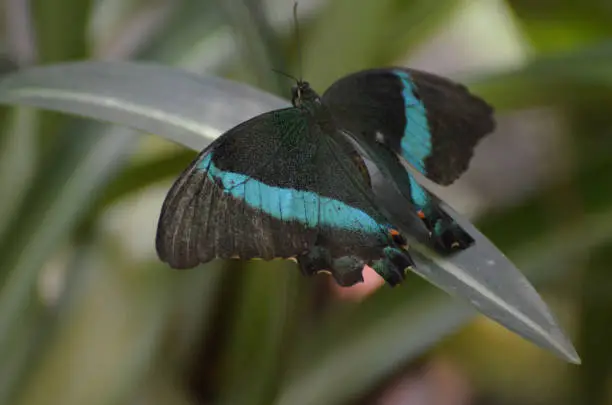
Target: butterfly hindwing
x,y
275,186
403,190
430,121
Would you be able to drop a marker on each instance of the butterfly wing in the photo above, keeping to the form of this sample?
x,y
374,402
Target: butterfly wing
x,y
430,121
275,186
403,198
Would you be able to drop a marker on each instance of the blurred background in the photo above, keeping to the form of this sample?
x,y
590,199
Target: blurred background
x,y
89,316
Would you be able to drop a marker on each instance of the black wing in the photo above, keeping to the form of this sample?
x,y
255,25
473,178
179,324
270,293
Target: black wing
x,y
402,197
430,121
276,186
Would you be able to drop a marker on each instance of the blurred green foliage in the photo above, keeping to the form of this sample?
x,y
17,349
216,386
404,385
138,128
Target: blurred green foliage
x,y
86,317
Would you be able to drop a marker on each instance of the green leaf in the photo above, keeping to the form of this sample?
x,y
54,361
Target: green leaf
x,y
183,107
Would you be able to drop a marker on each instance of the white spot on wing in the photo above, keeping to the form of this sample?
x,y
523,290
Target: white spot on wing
x,y
380,137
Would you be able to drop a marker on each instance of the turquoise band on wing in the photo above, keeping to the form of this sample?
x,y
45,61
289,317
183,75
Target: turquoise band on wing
x,y
419,195
416,141
306,207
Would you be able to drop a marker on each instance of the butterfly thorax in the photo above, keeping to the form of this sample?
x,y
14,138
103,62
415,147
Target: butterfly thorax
x,y
308,101
304,97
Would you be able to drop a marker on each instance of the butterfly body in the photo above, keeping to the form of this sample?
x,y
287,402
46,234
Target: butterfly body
x,y
291,184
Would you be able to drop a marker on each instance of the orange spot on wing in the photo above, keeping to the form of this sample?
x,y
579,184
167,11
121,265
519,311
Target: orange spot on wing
x,y
421,214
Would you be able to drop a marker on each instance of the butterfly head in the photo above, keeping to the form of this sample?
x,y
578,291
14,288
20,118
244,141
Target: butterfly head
x,y
302,94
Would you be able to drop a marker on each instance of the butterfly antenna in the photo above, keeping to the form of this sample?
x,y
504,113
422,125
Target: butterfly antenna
x,y
297,39
280,72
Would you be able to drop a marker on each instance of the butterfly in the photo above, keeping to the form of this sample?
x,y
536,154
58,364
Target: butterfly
x,y
293,183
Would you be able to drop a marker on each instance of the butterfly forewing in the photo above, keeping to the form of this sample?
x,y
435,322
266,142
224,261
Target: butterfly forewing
x,y
430,121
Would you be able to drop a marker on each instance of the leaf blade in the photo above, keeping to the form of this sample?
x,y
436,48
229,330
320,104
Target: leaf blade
x,y
187,108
